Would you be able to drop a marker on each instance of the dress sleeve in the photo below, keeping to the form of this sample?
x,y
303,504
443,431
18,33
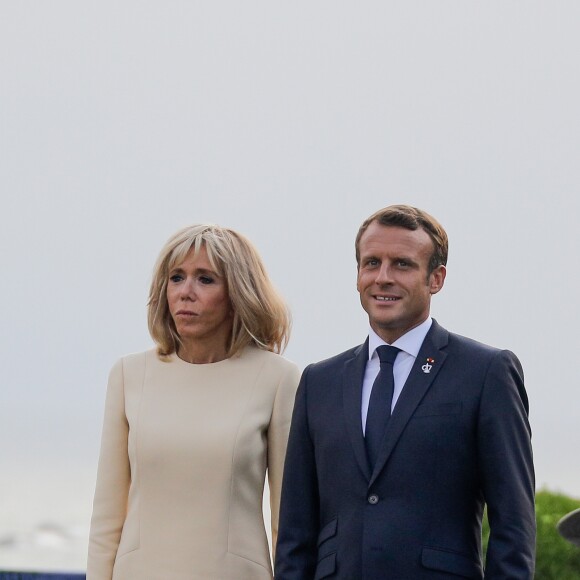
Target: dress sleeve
x,y
278,440
113,480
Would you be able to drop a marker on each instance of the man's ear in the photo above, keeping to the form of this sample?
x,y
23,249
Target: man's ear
x,y
437,279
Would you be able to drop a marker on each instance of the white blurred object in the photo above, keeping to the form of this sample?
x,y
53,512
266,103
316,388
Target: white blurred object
x,y
46,547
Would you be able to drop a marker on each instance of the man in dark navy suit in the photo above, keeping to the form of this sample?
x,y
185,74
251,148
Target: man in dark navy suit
x,y
398,444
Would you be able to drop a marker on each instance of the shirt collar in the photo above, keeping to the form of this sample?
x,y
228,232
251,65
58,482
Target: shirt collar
x,y
410,342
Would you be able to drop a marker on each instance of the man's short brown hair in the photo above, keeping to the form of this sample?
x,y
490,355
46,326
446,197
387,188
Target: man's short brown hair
x,y
410,218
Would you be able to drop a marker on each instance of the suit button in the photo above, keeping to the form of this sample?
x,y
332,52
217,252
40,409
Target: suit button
x,y
373,499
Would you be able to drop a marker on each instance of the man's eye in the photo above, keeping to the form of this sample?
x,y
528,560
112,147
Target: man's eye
x,y
403,264
372,262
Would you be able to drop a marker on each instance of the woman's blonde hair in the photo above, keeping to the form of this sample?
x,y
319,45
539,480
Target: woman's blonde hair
x,y
260,314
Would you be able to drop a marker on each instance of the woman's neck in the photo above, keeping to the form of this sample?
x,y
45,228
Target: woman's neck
x,y
196,353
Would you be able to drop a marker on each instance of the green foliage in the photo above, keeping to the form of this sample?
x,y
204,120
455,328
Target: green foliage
x,y
556,559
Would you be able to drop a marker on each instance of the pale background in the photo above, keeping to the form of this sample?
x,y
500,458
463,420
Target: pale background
x,y
292,122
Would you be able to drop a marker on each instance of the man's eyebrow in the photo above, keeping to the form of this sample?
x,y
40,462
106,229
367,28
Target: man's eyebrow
x,y
406,259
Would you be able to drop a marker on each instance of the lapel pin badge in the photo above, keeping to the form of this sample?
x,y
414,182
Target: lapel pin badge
x,y
428,365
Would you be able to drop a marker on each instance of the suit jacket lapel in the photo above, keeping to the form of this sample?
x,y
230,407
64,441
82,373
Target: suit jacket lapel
x,y
413,392
354,370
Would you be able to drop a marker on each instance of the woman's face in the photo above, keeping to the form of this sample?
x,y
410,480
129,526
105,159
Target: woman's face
x,y
199,303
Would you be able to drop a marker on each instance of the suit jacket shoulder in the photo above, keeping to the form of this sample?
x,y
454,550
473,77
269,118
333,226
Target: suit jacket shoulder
x,y
338,359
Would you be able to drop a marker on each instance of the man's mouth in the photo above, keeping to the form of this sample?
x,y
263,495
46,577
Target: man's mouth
x,y
387,298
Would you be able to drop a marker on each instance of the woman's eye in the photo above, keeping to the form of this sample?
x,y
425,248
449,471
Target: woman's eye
x,y
176,278
206,279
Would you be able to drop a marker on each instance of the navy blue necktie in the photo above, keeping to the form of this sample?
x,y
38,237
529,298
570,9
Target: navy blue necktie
x,y
380,402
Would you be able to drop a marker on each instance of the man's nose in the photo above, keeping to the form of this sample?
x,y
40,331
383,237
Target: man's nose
x,y
384,275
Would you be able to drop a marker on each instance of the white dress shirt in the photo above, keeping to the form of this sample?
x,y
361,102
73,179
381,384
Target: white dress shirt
x,y
409,343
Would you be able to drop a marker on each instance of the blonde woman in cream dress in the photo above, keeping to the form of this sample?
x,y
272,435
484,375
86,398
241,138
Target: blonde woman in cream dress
x,y
193,426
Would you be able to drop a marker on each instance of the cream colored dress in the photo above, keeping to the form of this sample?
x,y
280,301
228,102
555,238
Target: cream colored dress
x,y
184,453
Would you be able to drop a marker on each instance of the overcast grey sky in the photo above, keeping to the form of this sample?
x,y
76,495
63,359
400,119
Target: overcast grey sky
x,y
123,121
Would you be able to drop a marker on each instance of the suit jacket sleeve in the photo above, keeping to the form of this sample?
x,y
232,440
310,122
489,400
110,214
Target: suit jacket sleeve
x,y
278,440
297,541
113,480
506,465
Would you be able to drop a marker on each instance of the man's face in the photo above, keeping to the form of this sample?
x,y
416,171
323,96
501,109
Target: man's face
x,y
393,284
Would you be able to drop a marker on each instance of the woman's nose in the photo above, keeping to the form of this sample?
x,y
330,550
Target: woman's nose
x,y
188,290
